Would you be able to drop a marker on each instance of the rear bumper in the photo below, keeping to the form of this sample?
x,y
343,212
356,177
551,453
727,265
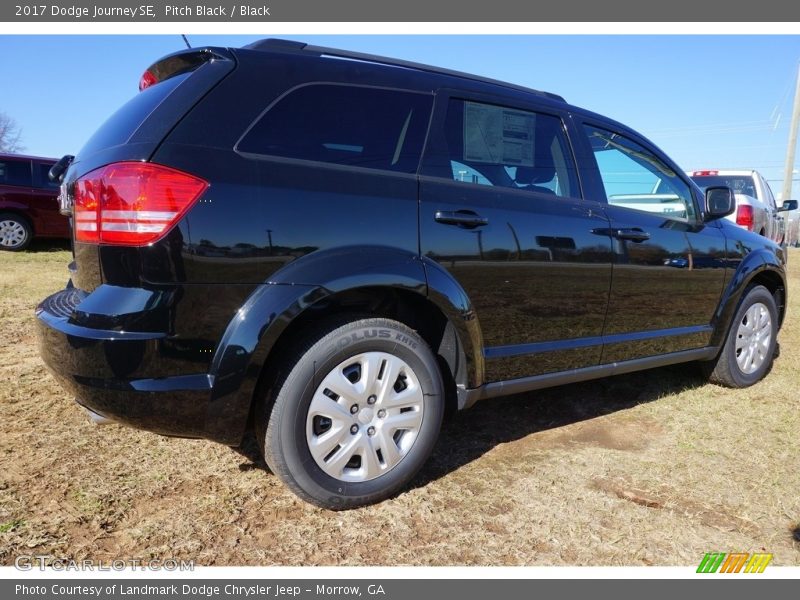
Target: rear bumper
x,y
118,374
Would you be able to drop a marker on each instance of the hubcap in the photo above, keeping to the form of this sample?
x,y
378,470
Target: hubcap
x,y
12,233
753,338
365,444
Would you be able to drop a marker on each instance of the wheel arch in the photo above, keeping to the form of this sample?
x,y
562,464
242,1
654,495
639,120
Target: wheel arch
x,y
760,267
372,281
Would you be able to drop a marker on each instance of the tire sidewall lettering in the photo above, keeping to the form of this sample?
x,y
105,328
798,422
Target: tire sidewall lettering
x,y
351,339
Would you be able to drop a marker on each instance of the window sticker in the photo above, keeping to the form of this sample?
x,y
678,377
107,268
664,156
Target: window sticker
x,y
497,135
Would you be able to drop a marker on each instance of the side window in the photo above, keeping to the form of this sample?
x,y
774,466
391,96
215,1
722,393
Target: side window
x,y
494,145
770,197
345,125
15,172
467,174
44,177
636,178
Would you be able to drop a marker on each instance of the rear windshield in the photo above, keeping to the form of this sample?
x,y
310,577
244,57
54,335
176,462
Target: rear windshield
x,y
123,124
740,184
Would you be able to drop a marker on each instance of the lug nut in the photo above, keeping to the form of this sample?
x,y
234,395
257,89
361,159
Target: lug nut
x,y
372,399
371,431
381,413
354,409
354,429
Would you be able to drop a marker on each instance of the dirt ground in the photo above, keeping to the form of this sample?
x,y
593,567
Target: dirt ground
x,y
655,468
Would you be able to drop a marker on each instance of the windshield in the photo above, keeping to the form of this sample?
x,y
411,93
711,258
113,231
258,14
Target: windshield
x,y
740,184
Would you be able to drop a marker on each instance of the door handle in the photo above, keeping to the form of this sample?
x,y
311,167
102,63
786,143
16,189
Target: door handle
x,y
462,218
632,235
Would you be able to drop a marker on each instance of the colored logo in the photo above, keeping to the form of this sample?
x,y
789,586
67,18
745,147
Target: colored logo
x,y
735,562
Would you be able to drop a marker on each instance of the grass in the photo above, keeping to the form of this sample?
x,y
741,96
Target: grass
x,y
654,468
11,525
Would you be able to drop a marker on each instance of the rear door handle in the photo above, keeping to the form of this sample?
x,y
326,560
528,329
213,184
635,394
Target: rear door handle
x,y
632,235
461,218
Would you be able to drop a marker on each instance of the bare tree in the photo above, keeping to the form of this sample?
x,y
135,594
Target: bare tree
x,y
10,135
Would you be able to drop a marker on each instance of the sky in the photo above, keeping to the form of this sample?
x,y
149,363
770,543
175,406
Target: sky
x,y
708,101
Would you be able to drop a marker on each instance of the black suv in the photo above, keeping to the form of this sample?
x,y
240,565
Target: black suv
x,y
328,248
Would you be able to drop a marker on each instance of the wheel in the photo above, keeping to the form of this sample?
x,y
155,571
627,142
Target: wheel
x,y
750,347
15,232
355,413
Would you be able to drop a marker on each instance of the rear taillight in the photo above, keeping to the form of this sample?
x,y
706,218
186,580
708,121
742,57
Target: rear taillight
x,y
744,216
705,173
146,80
132,203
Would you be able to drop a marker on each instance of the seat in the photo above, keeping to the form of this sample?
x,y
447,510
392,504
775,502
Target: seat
x,y
528,177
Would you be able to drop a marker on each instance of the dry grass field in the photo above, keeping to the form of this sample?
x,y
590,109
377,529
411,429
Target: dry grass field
x,y
654,468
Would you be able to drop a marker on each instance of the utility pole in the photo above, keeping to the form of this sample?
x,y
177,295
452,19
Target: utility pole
x,y
786,194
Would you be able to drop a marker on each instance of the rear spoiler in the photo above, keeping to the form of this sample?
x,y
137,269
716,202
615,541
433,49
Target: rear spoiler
x,y
177,64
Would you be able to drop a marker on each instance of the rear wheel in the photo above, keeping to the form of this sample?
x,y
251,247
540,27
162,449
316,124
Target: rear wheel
x,y
750,347
354,415
15,232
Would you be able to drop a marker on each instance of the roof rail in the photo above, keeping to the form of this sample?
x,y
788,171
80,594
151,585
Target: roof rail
x,y
281,45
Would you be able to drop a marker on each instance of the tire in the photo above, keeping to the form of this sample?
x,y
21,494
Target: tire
x,y
757,316
353,413
15,232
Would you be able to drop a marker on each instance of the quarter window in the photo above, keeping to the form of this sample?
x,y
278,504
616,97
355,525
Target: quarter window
x,y
636,178
345,125
493,145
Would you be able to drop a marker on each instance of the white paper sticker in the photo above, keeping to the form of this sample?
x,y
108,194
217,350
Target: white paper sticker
x,y
497,135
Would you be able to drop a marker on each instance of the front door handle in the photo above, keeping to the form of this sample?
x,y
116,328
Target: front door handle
x,y
462,218
632,235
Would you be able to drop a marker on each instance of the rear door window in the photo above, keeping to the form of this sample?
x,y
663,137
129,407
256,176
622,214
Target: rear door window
x,y
357,126
493,145
44,177
15,172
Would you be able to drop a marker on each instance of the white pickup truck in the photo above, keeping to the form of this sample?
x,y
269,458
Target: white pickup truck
x,y
755,204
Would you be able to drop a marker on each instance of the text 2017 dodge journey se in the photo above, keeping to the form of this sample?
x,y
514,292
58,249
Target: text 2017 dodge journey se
x,y
328,252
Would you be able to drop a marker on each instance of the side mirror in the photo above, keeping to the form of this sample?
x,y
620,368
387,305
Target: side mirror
x,y
788,205
720,202
57,171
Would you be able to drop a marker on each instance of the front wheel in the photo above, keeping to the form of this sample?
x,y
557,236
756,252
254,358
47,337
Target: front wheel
x,y
749,349
354,415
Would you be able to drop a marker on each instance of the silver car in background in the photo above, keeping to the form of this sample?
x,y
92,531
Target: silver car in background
x,y
756,209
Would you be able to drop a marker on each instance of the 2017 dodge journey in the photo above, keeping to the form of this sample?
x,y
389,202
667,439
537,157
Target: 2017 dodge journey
x,y
328,248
